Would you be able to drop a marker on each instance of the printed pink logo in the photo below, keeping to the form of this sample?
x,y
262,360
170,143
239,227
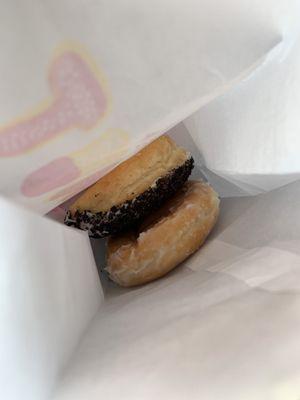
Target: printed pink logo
x,y
78,102
55,174
100,154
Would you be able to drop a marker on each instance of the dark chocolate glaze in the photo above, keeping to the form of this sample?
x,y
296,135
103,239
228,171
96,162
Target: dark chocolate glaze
x,y
131,212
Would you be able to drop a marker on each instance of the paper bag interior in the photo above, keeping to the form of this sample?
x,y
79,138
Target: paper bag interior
x,y
223,322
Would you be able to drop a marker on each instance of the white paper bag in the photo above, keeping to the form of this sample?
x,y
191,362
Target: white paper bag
x,y
256,147
50,292
83,86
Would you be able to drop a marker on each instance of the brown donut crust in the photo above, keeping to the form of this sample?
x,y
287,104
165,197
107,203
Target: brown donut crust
x,y
128,214
133,177
166,238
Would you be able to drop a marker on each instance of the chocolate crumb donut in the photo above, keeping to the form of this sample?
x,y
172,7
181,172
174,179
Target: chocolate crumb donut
x,y
133,190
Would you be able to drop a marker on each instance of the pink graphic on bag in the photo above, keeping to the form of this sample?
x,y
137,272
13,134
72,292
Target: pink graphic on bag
x,y
99,155
78,102
75,189
55,174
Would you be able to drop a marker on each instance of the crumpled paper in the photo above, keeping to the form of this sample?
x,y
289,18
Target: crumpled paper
x,y
84,86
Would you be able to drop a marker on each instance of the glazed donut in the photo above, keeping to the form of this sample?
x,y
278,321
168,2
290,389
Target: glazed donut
x,y
132,190
166,238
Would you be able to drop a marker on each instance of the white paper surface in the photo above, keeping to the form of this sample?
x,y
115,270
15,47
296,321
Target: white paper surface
x,y
225,324
84,78
257,146
49,292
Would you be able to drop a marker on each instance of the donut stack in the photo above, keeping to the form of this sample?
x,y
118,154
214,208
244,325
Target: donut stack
x,y
154,217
